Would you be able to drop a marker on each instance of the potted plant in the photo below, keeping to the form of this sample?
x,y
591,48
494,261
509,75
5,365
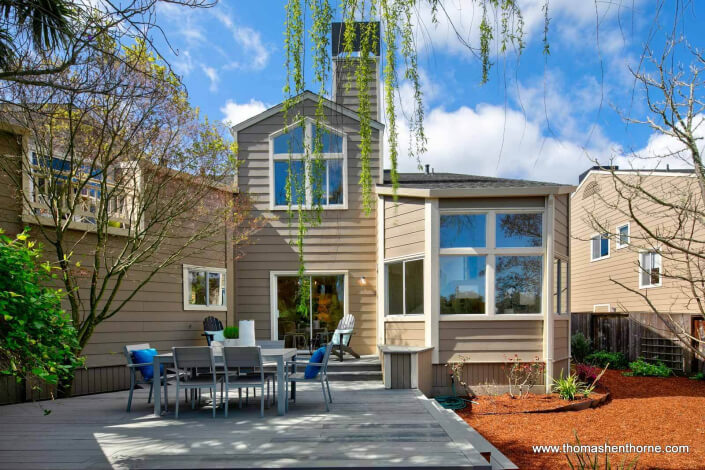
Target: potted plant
x,y
231,334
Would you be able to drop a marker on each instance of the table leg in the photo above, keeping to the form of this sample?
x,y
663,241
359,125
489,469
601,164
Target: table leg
x,y
293,384
156,380
281,389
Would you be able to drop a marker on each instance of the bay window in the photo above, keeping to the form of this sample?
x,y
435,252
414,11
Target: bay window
x,y
308,167
491,262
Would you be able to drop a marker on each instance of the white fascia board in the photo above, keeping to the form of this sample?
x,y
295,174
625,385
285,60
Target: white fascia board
x,y
474,192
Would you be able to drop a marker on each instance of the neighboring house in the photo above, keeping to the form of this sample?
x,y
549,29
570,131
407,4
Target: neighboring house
x,y
463,264
623,252
168,311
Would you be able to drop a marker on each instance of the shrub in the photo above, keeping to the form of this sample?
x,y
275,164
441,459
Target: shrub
x,y
698,376
38,337
522,376
587,373
645,369
580,347
604,358
231,332
582,460
571,386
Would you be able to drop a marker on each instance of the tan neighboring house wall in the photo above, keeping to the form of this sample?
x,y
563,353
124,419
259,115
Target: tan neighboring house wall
x,y
156,315
591,287
345,242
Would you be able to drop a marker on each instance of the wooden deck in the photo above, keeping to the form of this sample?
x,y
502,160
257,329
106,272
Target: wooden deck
x,y
367,426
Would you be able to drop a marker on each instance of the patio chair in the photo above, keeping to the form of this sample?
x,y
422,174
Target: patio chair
x,y
270,368
189,358
244,357
211,324
341,337
322,375
135,379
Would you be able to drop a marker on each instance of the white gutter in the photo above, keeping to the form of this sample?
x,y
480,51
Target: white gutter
x,y
476,192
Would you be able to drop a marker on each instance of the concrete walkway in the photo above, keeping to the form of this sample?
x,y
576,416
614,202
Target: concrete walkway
x,y
367,426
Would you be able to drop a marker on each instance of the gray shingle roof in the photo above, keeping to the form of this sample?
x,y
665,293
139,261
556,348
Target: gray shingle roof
x,y
459,181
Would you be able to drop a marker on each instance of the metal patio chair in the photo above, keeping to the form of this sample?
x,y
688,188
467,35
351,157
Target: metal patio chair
x,y
188,359
235,359
322,376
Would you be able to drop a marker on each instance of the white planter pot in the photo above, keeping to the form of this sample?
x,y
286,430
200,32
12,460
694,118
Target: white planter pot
x,y
232,342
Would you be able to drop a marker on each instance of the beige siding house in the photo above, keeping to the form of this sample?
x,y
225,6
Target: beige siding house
x,y
607,245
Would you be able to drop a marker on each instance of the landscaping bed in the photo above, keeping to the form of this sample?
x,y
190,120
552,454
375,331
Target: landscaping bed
x,y
532,403
641,411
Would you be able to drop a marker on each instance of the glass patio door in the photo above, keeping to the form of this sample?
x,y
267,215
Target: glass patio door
x,y
307,328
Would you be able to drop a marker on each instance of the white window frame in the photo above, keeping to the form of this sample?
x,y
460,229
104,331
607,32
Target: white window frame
x,y
29,215
308,125
273,304
619,235
187,288
642,271
490,251
609,248
403,261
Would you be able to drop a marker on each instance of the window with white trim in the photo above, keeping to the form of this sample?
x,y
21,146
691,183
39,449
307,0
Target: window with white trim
x,y
404,287
650,271
80,188
623,236
600,247
323,180
491,262
204,288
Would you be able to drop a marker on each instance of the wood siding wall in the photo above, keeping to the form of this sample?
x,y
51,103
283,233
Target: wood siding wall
x,y
404,227
346,90
155,315
561,240
482,379
590,280
561,339
491,341
404,333
345,239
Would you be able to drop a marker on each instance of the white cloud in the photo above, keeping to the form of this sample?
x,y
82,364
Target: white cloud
x,y
182,63
249,39
213,76
237,112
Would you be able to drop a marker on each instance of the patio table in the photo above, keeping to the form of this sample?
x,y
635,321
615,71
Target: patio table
x,y
279,356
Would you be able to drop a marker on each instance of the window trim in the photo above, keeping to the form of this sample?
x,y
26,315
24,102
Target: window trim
x,y
556,284
403,261
186,288
618,243
273,309
308,124
491,252
642,271
30,217
609,248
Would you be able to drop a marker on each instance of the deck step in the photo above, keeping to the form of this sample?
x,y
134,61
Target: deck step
x,y
345,376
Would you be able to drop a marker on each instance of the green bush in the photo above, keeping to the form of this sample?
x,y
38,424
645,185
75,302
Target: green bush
x,y
642,368
602,358
698,376
231,332
37,337
570,387
580,347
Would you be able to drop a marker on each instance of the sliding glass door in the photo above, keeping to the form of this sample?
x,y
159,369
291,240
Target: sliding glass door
x,y
310,326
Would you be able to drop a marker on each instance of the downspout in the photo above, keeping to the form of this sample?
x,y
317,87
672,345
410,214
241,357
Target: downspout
x,y
381,288
548,289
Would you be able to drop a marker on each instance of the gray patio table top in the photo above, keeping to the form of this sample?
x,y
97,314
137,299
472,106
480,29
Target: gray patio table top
x,y
278,356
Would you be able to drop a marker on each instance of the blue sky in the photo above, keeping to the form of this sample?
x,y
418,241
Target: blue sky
x,y
537,119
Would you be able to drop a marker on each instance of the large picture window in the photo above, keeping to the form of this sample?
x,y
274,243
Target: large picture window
x,y
491,254
405,287
320,181
204,288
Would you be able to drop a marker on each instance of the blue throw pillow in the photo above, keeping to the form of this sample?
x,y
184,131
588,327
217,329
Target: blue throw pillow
x,y
142,356
312,371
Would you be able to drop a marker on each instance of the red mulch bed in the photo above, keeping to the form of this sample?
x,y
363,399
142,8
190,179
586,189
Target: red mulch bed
x,y
505,404
642,411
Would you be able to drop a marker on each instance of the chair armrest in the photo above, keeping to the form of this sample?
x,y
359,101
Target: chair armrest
x,y
141,365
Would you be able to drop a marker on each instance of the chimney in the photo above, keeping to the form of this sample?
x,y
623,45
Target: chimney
x,y
428,168
344,66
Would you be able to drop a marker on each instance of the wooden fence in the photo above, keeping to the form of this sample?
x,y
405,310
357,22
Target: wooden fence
x,y
623,333
86,381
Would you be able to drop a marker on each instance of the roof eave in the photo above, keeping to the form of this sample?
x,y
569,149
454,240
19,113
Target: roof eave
x,y
475,192
304,96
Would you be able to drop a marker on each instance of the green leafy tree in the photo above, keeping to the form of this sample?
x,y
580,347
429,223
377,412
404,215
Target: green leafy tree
x,y
38,338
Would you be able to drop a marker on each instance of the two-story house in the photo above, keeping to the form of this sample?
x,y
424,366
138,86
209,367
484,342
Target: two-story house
x,y
465,265
610,248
